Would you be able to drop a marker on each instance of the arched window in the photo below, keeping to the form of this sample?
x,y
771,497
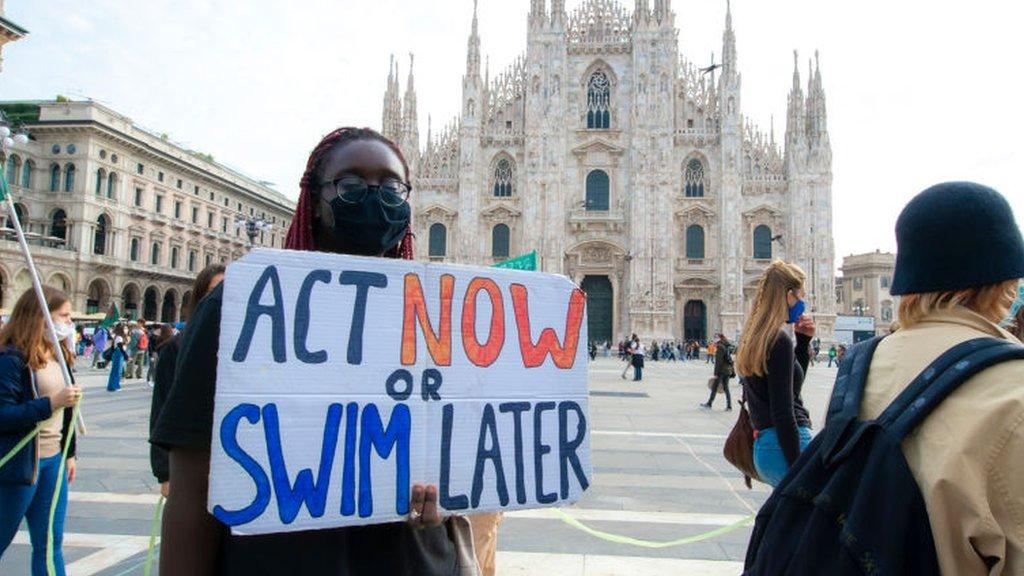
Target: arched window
x,y
762,243
99,238
694,179
69,177
111,185
54,178
499,241
438,239
19,210
26,174
175,254
599,101
597,190
695,242
154,254
503,178
133,252
59,224
191,261
101,176
13,164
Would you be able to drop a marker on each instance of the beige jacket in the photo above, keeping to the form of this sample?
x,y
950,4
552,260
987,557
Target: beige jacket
x,y
968,455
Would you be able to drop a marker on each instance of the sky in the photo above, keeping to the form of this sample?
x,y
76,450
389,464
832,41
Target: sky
x,y
918,92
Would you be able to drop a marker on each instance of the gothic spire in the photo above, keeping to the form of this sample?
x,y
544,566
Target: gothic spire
x,y
728,45
796,129
661,10
558,11
642,11
410,125
473,52
538,11
391,122
817,122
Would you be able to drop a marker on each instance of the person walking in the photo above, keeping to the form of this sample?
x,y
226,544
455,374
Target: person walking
x,y
832,355
712,348
637,355
136,353
773,370
33,393
724,370
118,359
99,345
353,199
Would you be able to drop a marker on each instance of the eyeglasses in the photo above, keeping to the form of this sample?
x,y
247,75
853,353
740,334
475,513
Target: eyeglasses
x,y
352,190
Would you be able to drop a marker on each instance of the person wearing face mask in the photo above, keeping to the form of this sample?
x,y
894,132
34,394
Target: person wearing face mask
x,y
353,200
773,370
33,393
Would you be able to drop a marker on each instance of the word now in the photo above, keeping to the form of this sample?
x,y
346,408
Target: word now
x,y
438,341
366,434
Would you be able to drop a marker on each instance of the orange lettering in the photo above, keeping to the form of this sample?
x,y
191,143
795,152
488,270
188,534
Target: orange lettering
x,y
486,354
534,354
439,344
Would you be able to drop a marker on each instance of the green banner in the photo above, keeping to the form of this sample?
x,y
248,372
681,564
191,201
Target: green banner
x,y
111,318
524,262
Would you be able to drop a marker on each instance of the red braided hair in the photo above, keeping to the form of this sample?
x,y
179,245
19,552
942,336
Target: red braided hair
x,y
300,234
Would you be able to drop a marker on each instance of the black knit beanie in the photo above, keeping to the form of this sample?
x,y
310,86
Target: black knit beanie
x,y
954,236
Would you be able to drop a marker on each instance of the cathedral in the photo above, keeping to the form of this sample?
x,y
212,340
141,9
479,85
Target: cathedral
x,y
628,169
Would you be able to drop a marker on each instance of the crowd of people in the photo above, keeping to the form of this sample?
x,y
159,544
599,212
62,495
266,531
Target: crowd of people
x,y
960,260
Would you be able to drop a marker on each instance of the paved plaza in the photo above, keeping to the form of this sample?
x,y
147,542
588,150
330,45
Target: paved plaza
x,y
658,476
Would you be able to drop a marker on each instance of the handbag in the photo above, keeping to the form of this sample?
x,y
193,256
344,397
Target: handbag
x,y
712,382
108,354
739,446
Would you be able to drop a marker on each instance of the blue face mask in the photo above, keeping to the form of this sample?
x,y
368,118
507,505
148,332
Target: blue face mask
x,y
796,311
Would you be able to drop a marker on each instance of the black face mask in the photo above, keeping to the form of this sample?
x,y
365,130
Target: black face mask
x,y
369,227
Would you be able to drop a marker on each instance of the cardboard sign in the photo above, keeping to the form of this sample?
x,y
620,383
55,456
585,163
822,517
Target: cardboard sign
x,y
342,381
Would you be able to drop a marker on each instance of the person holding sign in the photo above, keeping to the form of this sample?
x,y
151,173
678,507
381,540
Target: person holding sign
x,y
353,200
32,394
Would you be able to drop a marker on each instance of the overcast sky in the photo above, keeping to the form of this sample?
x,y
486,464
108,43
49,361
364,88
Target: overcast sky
x,y
918,91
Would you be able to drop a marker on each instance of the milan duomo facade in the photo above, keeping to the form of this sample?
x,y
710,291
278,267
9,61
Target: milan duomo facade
x,y
628,170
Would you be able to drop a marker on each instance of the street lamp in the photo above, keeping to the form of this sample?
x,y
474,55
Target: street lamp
x,y
253,226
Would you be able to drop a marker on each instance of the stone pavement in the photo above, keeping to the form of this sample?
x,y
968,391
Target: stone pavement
x,y
658,475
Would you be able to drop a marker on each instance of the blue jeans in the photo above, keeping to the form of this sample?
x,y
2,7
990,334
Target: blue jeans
x,y
769,460
33,503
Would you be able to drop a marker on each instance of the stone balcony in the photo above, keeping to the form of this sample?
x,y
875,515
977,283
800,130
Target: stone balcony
x,y
581,220
684,264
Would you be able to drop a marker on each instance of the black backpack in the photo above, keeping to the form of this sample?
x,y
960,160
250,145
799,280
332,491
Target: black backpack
x,y
850,505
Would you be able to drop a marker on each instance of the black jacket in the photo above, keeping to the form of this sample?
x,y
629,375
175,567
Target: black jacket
x,y
20,411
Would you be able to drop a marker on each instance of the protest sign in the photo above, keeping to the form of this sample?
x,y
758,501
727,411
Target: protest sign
x,y
342,381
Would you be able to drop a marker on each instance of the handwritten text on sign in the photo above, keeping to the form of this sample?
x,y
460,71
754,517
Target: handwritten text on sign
x,y
342,381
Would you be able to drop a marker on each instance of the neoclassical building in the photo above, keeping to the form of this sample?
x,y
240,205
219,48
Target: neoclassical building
x,y
119,215
628,169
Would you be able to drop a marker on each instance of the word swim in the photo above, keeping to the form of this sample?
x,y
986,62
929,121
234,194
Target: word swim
x,y
438,341
365,434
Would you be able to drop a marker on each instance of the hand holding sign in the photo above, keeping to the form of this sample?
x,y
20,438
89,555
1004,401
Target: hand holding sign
x,y
472,380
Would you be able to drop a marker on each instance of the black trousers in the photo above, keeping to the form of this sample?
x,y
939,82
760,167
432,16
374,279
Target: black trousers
x,y
723,383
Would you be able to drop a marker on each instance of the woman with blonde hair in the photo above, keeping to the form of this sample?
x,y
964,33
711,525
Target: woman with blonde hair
x,y
773,370
33,393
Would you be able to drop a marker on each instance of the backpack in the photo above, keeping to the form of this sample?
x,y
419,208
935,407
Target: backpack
x,y
143,341
849,504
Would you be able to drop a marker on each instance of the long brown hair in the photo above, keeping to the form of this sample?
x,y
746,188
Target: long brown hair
x,y
26,329
767,316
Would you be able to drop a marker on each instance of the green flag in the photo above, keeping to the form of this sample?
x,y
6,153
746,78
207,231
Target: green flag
x,y
112,316
524,262
3,182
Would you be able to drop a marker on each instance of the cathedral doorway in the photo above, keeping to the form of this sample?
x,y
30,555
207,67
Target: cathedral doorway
x,y
695,321
599,307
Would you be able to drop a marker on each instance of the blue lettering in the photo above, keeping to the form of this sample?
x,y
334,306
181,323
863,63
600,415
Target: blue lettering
x,y
488,427
348,478
289,497
254,311
448,502
302,318
517,409
373,435
567,449
363,281
229,441
539,450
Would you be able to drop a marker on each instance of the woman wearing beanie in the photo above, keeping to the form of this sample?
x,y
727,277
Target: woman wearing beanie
x,y
773,370
353,200
959,261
